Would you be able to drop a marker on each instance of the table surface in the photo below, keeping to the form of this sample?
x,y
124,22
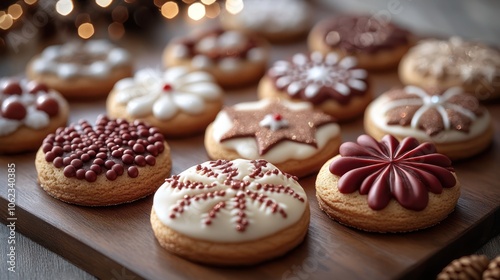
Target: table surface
x,y
36,261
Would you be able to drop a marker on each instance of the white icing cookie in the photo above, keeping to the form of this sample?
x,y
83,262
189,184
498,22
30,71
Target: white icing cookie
x,y
230,201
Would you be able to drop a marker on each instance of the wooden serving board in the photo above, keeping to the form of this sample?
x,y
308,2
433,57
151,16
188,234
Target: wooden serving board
x,y
118,242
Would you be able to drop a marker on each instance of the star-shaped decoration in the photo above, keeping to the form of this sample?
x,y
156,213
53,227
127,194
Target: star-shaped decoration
x,y
302,125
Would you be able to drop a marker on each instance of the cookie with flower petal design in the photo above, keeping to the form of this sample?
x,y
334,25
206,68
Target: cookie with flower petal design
x,y
451,119
291,135
81,70
234,58
388,186
377,43
178,101
28,112
335,85
238,212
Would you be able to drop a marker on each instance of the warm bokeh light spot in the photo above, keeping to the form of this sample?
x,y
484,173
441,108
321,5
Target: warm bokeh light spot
x,y
213,10
64,7
86,30
103,3
6,21
234,6
15,11
208,2
196,11
169,9
116,30
30,2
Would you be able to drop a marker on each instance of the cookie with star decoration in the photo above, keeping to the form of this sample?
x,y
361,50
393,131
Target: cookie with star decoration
x,y
178,101
334,85
291,135
452,119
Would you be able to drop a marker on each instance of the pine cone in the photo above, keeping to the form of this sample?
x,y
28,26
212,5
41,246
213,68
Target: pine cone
x,y
493,270
466,268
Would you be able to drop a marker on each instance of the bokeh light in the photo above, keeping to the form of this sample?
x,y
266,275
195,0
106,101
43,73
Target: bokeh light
x,y
15,11
103,3
116,30
196,11
86,30
64,7
170,9
234,6
6,21
208,2
213,10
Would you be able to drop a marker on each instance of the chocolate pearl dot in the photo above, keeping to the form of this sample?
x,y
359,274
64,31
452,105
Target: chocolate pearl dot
x,y
126,136
91,153
159,145
74,147
90,176
46,147
73,156
14,110
101,155
96,168
154,130
47,104
79,154
109,163
76,163
140,160
131,143
143,132
59,139
98,161
128,152
133,172
69,171
94,147
12,87
50,156
138,148
127,159
67,148
152,150
116,153
67,161
159,137
80,174
85,157
58,162
151,160
35,87
118,168
117,141
111,175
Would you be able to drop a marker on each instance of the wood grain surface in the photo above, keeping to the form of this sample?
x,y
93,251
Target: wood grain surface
x,y
114,242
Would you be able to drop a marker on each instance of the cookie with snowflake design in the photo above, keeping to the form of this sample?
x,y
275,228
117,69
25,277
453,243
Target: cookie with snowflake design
x,y
81,69
453,62
178,101
234,58
453,120
388,186
376,42
335,85
238,212
291,135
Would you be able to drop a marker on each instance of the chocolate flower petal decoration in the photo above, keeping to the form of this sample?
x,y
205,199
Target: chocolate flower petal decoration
x,y
405,171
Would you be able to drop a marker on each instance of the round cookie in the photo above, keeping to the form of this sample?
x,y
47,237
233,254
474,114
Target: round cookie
x,y
387,186
177,101
238,212
454,121
277,21
292,136
110,163
29,111
377,44
453,62
234,58
336,86
82,69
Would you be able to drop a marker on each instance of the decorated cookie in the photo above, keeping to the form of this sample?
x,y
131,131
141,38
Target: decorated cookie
x,y
28,112
111,162
335,85
277,21
238,212
453,62
466,267
292,136
453,120
377,44
232,57
177,101
81,70
387,186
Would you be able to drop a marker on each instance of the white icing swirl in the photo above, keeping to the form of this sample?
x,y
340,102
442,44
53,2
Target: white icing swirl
x,y
261,220
163,94
247,147
58,59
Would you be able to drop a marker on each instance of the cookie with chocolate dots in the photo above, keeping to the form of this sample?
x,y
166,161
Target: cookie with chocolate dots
x,y
111,162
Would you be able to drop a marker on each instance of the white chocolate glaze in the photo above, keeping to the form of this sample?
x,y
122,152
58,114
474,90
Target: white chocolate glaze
x,y
163,94
257,219
63,60
281,152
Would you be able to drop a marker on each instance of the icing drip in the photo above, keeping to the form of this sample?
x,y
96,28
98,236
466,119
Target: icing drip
x,y
317,78
456,58
362,34
387,170
301,125
230,201
29,104
164,94
94,58
432,112
111,148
